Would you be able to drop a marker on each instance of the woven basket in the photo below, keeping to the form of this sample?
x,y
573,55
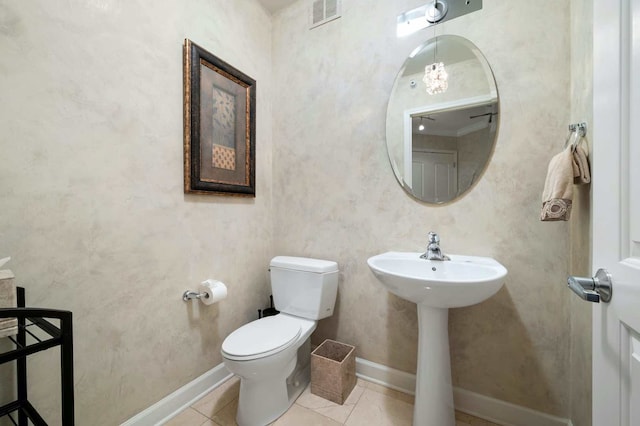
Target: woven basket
x,y
333,371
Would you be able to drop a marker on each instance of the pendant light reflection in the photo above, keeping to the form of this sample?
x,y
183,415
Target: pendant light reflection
x,y
435,76
421,126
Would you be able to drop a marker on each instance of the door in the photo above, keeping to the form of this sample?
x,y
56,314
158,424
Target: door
x,y
434,175
616,211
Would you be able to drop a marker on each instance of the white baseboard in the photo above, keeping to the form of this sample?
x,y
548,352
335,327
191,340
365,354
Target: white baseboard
x,y
171,405
502,412
487,408
386,376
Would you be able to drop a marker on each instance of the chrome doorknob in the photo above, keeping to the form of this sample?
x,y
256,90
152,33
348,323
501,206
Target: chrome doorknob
x,y
593,289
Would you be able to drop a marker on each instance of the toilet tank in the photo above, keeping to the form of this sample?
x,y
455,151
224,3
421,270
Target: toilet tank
x,y
304,287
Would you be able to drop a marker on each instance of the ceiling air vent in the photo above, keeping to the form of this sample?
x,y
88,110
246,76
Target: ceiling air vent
x,y
323,11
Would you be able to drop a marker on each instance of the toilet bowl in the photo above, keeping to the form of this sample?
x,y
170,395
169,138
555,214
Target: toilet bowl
x,y
264,354
271,355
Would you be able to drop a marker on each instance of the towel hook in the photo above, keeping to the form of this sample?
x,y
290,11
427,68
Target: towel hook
x,y
577,129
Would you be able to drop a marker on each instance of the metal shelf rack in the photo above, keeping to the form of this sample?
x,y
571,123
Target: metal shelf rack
x,y
36,334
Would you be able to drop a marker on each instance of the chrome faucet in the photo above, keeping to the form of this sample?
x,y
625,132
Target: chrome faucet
x,y
433,249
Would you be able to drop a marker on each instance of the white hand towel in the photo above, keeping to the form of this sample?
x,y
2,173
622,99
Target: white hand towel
x,y
581,172
558,188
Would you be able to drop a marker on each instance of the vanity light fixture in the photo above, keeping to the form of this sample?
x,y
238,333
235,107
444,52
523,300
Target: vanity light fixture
x,y
436,11
432,13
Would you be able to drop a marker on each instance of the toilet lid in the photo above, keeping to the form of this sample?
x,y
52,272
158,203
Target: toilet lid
x,y
261,337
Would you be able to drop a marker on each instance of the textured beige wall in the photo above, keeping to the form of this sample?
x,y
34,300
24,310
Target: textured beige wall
x,y
93,210
95,218
337,197
581,110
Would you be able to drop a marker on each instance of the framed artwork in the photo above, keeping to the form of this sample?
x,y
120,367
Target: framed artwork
x,y
219,126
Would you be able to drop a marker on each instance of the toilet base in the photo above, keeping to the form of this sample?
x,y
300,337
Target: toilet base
x,y
263,401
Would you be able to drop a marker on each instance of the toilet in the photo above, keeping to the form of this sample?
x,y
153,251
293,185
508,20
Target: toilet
x,y
271,355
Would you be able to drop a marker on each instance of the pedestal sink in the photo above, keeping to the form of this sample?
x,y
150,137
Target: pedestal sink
x,y
436,286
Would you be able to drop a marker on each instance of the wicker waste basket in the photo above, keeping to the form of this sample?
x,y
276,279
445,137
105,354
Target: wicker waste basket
x,y
333,371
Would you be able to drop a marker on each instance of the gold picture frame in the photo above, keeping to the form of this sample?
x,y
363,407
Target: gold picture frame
x,y
219,125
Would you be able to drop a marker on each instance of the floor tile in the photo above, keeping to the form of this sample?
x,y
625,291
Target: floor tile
x,y
377,409
227,415
218,398
387,391
369,404
188,417
298,415
330,409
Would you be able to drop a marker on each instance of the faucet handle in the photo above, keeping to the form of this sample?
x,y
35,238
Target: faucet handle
x,y
433,238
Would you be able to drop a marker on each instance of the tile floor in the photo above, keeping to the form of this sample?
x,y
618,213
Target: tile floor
x,y
368,405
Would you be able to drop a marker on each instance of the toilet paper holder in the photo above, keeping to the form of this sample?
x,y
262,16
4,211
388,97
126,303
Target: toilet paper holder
x,y
190,295
208,292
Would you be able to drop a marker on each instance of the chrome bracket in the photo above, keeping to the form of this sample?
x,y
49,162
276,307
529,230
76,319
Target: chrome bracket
x,y
189,295
580,128
436,11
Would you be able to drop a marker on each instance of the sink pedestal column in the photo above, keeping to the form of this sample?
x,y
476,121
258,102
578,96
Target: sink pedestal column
x,y
434,394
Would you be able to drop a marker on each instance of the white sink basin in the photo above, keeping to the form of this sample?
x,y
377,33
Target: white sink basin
x,y
436,286
461,281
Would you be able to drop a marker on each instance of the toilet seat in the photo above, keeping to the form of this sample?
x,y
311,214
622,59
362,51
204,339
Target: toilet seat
x,y
261,338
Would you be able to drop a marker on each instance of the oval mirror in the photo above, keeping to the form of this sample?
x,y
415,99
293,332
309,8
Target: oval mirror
x,y
442,119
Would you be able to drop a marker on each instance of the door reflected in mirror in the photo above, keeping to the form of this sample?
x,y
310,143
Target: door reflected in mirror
x,y
440,141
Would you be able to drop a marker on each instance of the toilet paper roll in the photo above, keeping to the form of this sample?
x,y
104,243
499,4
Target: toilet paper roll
x,y
214,291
